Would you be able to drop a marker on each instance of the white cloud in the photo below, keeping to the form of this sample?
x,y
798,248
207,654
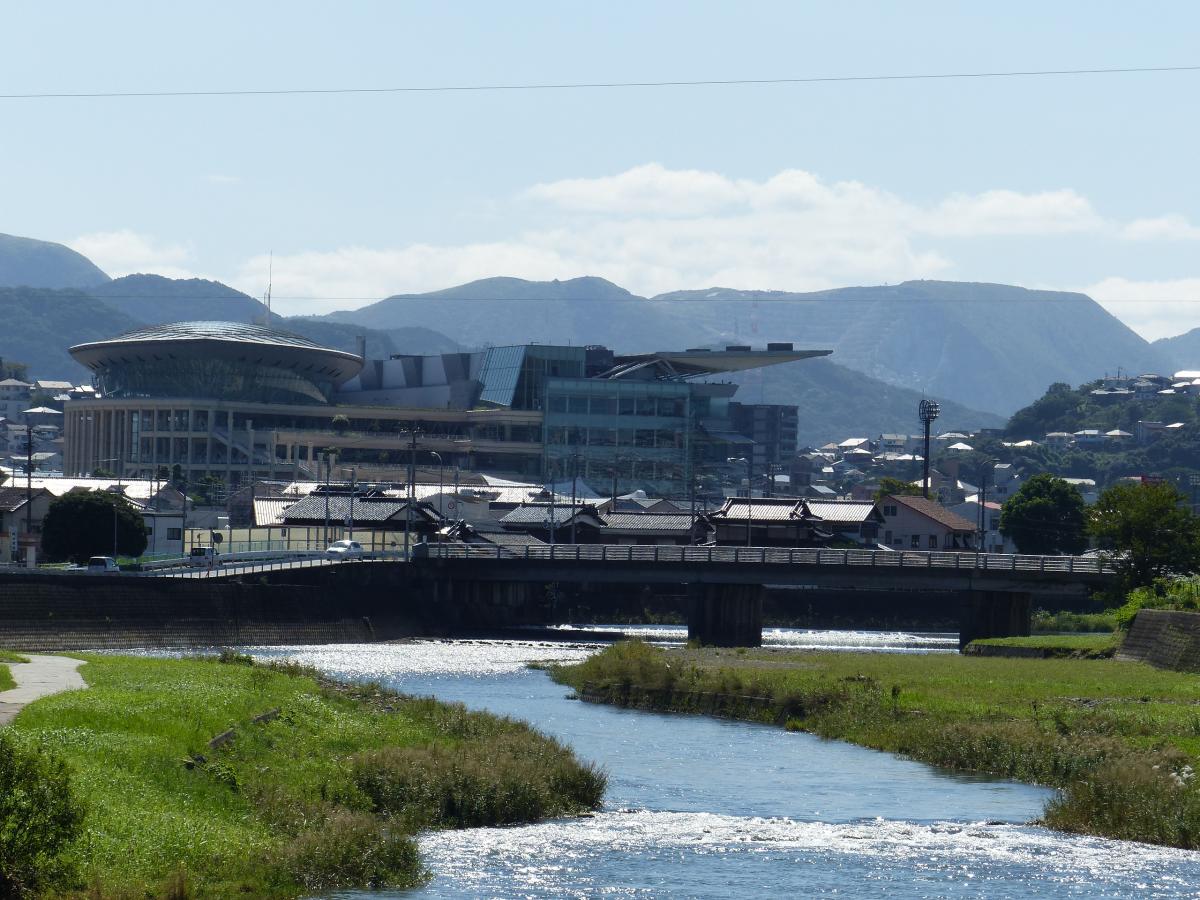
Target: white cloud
x,y
1163,228
653,229
1153,309
1004,212
126,252
217,178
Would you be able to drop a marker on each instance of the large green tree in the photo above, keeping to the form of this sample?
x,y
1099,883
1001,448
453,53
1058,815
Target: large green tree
x,y
79,525
1045,515
1148,531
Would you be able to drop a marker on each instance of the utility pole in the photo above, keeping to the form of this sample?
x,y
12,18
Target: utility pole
x,y
29,479
749,495
325,458
353,488
574,482
412,490
927,411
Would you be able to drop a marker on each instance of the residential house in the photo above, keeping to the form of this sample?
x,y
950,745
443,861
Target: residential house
x,y
840,521
16,538
914,523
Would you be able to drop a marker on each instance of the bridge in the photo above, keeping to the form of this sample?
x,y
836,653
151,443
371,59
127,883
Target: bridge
x,y
725,585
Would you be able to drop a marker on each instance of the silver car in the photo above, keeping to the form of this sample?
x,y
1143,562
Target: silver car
x,y
344,550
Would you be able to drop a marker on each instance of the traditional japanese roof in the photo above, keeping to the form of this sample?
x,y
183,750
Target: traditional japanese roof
x,y
758,509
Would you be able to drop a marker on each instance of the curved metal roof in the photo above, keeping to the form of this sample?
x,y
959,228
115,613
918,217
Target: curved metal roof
x,y
211,331
218,338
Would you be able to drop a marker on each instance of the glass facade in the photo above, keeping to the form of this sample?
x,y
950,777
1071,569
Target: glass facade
x,y
215,377
638,432
515,377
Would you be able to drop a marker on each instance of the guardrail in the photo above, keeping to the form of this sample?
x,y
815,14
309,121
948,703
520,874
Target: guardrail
x,y
907,559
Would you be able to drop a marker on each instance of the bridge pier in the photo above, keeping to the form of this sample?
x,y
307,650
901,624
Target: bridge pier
x,y
725,615
987,614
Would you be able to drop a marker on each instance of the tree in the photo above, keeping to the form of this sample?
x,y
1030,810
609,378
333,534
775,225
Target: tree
x,y
79,525
1045,515
891,487
1147,530
340,423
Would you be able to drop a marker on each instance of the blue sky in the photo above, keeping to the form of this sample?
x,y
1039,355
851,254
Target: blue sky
x,y
1078,182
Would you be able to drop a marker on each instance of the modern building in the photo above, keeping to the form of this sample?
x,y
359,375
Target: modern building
x,y
773,429
236,402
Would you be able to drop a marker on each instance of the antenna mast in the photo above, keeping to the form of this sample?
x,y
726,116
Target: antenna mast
x,y
270,278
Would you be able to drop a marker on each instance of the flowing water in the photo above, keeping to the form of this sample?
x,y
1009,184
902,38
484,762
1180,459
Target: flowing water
x,y
699,807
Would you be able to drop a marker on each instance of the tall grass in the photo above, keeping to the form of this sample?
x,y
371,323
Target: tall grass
x,y
1095,728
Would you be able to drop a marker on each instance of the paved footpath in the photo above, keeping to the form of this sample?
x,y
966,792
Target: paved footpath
x,y
40,677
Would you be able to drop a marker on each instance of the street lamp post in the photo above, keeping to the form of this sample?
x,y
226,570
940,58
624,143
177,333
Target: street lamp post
x,y
927,411
441,482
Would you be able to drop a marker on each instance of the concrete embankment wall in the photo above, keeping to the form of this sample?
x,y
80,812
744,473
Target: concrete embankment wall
x,y
1164,638
114,612
336,604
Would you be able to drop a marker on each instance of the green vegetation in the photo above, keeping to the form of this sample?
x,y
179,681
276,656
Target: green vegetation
x,y
39,817
12,656
1078,646
896,487
1181,594
1077,724
318,788
6,679
1045,516
79,525
1150,533
1046,622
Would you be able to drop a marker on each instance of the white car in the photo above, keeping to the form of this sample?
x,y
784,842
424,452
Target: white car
x,y
344,550
102,565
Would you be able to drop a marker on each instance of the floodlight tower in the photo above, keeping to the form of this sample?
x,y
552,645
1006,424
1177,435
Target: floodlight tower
x,y
928,411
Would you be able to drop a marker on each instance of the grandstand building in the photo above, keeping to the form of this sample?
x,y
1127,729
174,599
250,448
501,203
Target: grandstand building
x,y
239,402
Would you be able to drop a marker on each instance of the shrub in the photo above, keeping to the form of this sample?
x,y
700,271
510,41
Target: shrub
x,y
1132,800
350,850
507,779
1166,593
39,817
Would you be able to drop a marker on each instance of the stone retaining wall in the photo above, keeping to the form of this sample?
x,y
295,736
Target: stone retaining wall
x,y
1164,638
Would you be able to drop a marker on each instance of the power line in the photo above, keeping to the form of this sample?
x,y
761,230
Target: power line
x,y
591,85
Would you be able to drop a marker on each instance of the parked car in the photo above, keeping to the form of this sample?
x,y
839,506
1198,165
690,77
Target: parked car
x,y
202,556
102,565
344,550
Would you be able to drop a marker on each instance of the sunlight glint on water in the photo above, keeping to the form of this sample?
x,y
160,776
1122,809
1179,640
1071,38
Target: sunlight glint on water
x,y
707,808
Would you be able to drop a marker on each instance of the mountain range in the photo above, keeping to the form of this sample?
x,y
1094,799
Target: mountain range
x,y
989,346
982,350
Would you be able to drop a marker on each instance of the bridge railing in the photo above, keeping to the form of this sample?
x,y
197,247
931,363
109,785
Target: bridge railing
x,y
906,559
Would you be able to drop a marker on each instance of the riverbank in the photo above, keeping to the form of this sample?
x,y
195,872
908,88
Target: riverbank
x,y
1120,739
210,779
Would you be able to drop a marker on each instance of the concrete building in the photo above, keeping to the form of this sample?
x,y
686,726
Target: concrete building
x,y
772,427
244,402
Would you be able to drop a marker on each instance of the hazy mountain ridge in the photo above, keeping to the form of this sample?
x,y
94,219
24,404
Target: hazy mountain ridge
x,y
988,346
1182,351
40,324
155,300
25,262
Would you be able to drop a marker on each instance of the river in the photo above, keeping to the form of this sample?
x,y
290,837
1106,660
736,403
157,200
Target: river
x,y
699,807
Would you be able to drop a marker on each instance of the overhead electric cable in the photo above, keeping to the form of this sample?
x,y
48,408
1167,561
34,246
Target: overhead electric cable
x,y
591,85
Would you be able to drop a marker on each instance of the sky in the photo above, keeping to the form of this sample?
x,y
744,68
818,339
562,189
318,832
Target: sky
x,y
1073,182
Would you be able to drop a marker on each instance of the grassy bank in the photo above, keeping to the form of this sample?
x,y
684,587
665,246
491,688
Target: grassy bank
x,y
313,786
1095,645
6,679
1120,739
